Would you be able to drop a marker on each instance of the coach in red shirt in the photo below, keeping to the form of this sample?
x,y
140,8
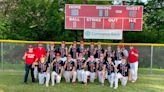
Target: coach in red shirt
x,y
133,60
40,51
30,58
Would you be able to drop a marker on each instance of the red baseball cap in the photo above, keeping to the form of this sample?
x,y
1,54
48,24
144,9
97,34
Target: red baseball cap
x,y
57,54
30,46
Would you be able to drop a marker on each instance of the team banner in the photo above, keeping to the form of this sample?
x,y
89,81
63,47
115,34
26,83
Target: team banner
x,y
103,34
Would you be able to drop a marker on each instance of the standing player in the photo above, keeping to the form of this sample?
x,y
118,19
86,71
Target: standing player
x,y
123,73
101,69
81,49
133,60
63,50
51,52
109,52
118,56
124,52
99,50
44,71
69,72
91,66
73,50
40,50
57,69
30,58
91,50
80,67
110,67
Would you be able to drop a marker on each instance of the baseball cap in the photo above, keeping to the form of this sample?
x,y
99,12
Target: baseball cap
x,y
57,54
30,46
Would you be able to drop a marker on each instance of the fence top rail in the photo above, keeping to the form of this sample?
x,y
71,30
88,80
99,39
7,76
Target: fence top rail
x,y
87,43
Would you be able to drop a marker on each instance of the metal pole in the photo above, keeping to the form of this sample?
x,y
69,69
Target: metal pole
x,y
151,63
2,56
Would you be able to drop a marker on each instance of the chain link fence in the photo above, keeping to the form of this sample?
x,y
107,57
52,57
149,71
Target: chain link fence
x,y
151,57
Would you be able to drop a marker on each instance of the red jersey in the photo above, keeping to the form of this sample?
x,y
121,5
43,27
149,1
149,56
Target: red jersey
x,y
30,57
39,52
132,57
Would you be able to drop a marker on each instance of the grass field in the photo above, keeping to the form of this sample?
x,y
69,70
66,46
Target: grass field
x,y
11,81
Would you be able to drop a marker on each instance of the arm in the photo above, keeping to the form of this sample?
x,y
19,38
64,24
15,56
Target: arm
x,y
61,71
69,50
66,51
24,56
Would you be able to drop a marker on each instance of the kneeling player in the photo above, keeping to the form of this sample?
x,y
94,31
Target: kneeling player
x,y
91,65
44,71
101,69
80,67
123,71
69,72
110,67
57,69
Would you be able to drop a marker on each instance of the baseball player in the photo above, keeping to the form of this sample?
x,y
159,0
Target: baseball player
x,y
99,50
57,69
91,50
91,65
133,60
73,50
118,55
81,48
110,67
101,69
40,50
44,71
51,52
123,72
80,67
109,52
63,50
30,58
69,67
124,51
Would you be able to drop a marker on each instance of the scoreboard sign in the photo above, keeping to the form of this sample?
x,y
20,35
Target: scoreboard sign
x,y
127,18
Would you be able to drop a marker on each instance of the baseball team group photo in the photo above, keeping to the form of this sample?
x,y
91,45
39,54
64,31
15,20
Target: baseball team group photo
x,y
81,46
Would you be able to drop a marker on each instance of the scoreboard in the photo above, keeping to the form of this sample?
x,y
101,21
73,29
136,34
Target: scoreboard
x,y
83,16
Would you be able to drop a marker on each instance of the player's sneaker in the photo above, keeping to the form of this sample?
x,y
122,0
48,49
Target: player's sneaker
x,y
133,81
115,87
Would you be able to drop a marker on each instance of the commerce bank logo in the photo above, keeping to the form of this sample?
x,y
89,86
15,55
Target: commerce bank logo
x,y
87,33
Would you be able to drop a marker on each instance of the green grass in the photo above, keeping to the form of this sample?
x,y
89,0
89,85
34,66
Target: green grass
x,y
10,81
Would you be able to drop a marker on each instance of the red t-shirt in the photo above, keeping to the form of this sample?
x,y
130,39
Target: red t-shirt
x,y
39,52
132,57
30,57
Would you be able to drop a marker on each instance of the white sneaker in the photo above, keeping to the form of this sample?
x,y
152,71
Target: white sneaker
x,y
115,87
47,85
133,81
111,86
